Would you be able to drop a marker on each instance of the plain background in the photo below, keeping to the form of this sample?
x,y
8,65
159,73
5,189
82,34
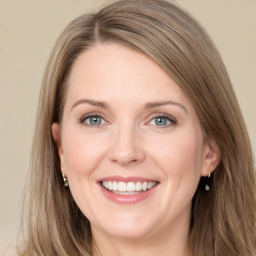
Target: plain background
x,y
28,30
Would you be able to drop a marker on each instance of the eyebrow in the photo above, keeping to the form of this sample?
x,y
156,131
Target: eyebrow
x,y
163,103
149,105
91,102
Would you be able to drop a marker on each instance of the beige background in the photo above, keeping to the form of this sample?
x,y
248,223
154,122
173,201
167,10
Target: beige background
x,y
28,30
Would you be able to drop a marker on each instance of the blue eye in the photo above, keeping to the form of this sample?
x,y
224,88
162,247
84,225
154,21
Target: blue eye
x,y
94,120
162,121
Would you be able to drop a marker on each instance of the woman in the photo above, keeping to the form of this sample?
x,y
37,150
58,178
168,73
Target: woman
x,y
140,146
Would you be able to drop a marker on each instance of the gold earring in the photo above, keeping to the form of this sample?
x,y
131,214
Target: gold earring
x,y
65,180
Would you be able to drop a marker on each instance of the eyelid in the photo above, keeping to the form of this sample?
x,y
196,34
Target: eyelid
x,y
172,119
92,114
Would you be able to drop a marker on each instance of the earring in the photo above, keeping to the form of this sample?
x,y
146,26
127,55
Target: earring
x,y
207,186
65,180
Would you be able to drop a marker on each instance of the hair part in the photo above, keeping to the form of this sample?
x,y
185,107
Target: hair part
x,y
222,220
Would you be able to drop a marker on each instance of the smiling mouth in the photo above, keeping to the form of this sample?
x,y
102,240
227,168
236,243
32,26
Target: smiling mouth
x,y
128,188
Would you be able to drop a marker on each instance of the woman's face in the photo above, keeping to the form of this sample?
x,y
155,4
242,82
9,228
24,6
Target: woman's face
x,y
130,144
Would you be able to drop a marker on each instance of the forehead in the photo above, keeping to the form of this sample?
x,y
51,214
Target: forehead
x,y
112,71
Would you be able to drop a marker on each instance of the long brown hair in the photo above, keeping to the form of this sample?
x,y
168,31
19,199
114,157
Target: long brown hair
x,y
223,219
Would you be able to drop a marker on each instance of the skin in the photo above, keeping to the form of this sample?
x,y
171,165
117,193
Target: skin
x,y
129,142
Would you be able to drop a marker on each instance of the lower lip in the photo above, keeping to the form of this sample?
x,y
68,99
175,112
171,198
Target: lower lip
x,y
127,199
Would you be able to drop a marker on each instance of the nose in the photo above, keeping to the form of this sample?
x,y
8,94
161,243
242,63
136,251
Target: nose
x,y
126,147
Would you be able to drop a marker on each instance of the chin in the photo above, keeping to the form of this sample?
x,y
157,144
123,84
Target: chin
x,y
131,232
127,228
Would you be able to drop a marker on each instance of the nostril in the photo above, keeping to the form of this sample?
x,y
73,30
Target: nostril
x,y
126,159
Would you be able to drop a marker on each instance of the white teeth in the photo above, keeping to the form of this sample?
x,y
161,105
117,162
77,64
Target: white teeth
x,y
121,186
138,186
145,186
125,193
105,184
150,184
128,188
110,185
115,186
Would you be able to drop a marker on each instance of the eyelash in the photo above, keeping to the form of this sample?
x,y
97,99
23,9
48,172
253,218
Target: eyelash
x,y
172,121
91,115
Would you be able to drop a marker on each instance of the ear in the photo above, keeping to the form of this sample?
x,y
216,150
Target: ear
x,y
56,133
211,157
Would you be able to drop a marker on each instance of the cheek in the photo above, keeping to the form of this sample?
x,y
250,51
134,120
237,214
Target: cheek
x,y
180,156
81,153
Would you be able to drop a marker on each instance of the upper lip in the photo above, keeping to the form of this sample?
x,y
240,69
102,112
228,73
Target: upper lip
x,y
126,179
